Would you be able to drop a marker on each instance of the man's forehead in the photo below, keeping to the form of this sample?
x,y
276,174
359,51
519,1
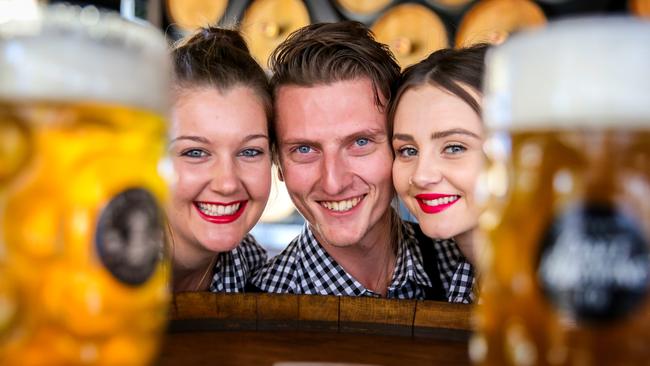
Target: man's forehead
x,y
329,112
363,82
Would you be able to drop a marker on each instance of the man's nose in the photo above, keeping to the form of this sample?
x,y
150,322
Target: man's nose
x,y
336,174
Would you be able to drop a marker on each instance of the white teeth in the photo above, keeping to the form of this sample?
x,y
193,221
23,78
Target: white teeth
x,y
440,201
218,210
341,206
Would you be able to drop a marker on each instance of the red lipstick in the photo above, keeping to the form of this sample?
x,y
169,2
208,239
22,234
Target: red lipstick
x,y
222,219
432,196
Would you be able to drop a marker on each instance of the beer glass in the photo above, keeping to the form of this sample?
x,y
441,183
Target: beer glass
x,y
83,278
565,266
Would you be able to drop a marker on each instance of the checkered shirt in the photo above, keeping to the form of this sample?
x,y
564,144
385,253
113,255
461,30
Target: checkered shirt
x,y
234,268
456,273
304,267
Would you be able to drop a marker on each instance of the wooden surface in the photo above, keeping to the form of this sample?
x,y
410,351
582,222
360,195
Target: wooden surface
x,y
210,311
262,329
243,348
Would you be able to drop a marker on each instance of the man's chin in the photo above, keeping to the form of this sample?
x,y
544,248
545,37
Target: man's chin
x,y
337,236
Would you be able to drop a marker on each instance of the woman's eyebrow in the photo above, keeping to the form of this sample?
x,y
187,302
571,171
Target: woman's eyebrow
x,y
255,136
199,139
454,131
402,137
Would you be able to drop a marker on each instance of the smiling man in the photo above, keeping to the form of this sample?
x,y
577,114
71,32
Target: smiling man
x,y
332,83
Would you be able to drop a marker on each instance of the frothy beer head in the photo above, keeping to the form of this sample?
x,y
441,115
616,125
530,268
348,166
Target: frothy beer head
x,y
576,73
68,53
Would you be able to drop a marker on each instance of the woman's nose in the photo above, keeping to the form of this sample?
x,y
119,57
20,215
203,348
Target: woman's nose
x,y
427,172
224,178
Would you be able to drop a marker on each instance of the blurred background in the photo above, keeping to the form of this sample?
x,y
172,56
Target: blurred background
x,y
412,29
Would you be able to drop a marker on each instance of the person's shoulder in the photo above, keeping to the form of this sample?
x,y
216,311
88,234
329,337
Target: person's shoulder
x,y
278,274
252,253
289,255
249,245
413,234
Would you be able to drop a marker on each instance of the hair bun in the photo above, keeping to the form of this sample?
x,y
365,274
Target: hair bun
x,y
212,37
225,37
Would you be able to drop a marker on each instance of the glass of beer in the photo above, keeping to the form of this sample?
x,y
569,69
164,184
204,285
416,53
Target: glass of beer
x,y
565,264
83,275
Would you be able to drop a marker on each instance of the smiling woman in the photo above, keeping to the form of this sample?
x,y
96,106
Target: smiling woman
x,y
437,137
221,154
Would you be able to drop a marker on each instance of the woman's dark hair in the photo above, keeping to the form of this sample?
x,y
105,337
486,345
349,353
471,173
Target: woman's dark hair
x,y
219,58
449,69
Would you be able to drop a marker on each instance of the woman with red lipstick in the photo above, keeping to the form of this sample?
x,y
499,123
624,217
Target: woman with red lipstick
x,y
437,137
221,154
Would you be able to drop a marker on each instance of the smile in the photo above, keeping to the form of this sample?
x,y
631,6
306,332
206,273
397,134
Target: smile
x,y
342,206
433,202
220,213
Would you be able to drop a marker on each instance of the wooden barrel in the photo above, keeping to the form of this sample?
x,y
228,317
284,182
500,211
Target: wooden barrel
x,y
412,32
188,15
452,5
639,7
262,329
492,21
363,7
266,23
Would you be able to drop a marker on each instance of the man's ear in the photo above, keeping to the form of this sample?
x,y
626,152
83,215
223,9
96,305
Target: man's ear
x,y
280,175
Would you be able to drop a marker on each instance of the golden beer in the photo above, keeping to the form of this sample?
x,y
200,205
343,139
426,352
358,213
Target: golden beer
x,y
566,264
83,278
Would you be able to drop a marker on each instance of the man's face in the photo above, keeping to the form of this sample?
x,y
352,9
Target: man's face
x,y
336,159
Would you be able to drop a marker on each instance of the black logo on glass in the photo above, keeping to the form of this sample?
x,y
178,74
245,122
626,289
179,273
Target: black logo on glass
x,y
130,236
594,264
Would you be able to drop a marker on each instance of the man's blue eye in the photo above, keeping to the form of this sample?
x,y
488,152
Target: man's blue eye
x,y
303,149
362,141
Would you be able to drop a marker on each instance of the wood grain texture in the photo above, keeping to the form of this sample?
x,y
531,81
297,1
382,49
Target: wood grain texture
x,y
209,311
318,312
238,311
433,314
442,320
276,311
195,305
376,316
266,348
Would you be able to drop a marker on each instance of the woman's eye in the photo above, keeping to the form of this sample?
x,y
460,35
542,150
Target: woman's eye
x,y
362,141
454,149
249,153
194,153
407,151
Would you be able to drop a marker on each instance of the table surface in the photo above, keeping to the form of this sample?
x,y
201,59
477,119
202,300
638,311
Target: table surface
x,y
269,347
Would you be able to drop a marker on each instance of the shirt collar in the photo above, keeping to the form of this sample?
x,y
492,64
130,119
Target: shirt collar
x,y
326,275
409,265
448,259
230,272
329,277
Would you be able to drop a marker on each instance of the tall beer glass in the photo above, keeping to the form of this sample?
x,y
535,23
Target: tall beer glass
x,y
82,105
566,267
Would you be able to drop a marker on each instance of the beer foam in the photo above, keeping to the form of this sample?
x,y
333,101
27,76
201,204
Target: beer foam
x,y
69,53
590,72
